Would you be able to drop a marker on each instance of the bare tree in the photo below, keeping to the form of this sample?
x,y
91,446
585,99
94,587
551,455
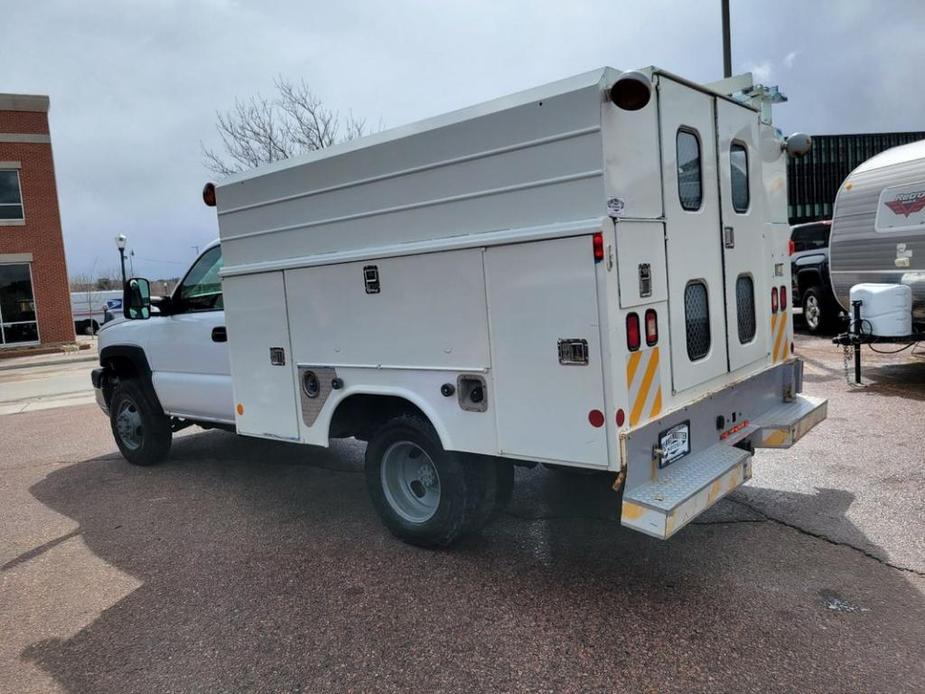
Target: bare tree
x,y
261,130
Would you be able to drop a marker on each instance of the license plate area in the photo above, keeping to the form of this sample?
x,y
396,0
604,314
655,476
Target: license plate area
x,y
674,443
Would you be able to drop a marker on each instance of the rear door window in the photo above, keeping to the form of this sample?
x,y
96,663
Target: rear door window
x,y
690,179
738,174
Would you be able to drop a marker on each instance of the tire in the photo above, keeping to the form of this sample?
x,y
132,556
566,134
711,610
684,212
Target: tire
x,y
425,496
499,476
141,430
816,311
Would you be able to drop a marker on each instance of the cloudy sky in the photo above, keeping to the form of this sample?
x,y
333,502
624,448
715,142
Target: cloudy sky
x,y
135,85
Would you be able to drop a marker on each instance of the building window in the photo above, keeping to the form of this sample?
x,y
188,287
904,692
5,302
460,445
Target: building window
x,y
10,195
690,188
17,305
738,174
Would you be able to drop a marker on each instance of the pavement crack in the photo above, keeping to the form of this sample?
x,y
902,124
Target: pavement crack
x,y
825,538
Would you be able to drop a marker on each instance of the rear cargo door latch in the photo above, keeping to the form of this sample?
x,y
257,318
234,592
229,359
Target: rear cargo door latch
x,y
729,237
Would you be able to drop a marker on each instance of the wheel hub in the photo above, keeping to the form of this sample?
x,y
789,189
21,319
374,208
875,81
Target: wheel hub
x,y
128,425
410,481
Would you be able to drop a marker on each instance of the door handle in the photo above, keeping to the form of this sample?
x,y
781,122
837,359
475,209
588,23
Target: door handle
x,y
729,237
219,334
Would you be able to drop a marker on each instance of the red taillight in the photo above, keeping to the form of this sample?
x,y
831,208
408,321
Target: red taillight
x,y
651,327
791,247
633,338
783,298
597,243
596,418
773,299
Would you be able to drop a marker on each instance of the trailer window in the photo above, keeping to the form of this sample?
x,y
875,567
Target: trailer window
x,y
738,174
201,289
690,188
697,320
745,308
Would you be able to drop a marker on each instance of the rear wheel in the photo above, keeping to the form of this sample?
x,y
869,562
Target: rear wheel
x,y
142,432
424,495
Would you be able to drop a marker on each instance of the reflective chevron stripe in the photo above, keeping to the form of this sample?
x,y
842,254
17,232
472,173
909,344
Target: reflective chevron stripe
x,y
781,347
644,385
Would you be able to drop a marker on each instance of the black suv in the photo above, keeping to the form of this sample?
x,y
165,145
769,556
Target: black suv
x,y
809,265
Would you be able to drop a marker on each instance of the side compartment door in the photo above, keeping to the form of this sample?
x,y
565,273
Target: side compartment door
x,y
538,295
262,368
744,248
692,239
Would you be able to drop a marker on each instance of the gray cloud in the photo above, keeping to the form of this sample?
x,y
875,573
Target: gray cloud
x,y
134,86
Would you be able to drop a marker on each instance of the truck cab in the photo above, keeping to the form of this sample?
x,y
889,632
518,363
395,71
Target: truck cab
x,y
179,354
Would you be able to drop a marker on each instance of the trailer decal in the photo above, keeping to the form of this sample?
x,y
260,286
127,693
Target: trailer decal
x,y
642,381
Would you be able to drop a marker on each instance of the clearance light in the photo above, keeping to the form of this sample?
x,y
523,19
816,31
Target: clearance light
x,y
621,417
791,247
651,327
597,243
633,338
773,299
783,298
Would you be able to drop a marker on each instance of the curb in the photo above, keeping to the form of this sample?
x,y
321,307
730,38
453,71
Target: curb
x,y
50,362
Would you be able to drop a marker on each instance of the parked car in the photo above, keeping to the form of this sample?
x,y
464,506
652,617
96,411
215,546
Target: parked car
x,y
813,297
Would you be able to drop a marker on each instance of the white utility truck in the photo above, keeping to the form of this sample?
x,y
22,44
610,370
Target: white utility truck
x,y
592,273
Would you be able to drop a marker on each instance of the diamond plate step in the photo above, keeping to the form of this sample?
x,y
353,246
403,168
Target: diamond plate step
x,y
784,425
684,490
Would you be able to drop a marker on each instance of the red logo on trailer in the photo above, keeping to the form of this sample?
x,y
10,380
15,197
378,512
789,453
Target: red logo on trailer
x,y
908,203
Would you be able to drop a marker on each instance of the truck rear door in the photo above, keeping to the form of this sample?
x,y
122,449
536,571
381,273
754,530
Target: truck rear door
x,y
692,242
743,234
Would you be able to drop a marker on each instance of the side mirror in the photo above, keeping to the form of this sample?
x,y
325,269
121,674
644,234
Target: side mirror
x,y
137,301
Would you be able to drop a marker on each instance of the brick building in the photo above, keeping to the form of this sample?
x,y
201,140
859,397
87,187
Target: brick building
x,y
35,305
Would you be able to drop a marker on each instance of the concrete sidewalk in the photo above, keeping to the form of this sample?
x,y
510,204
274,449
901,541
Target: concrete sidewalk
x,y
55,358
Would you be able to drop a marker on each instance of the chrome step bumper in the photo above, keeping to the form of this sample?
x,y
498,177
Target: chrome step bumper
x,y
784,425
680,494
660,501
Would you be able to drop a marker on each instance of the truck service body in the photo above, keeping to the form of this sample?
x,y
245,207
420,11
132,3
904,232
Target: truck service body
x,y
592,274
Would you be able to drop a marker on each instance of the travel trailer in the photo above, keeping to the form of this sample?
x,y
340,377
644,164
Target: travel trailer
x,y
593,273
878,238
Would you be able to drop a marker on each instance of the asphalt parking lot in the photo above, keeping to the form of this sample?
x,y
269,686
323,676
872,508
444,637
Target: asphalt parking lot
x,y
249,565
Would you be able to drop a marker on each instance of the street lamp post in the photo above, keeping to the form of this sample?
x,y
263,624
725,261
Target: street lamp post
x,y
120,244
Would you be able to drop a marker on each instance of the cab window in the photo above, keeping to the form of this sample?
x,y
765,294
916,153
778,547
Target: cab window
x,y
201,289
810,238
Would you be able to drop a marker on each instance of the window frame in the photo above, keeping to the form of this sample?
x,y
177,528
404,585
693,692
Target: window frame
x,y
748,178
693,132
14,221
35,310
177,299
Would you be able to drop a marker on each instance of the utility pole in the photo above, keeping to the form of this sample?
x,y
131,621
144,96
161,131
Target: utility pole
x,y
727,47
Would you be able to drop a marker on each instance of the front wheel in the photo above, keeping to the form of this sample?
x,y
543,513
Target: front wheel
x,y
141,430
815,311
424,495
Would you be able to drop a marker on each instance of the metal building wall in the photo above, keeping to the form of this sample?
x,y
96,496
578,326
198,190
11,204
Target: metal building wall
x,y
814,179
